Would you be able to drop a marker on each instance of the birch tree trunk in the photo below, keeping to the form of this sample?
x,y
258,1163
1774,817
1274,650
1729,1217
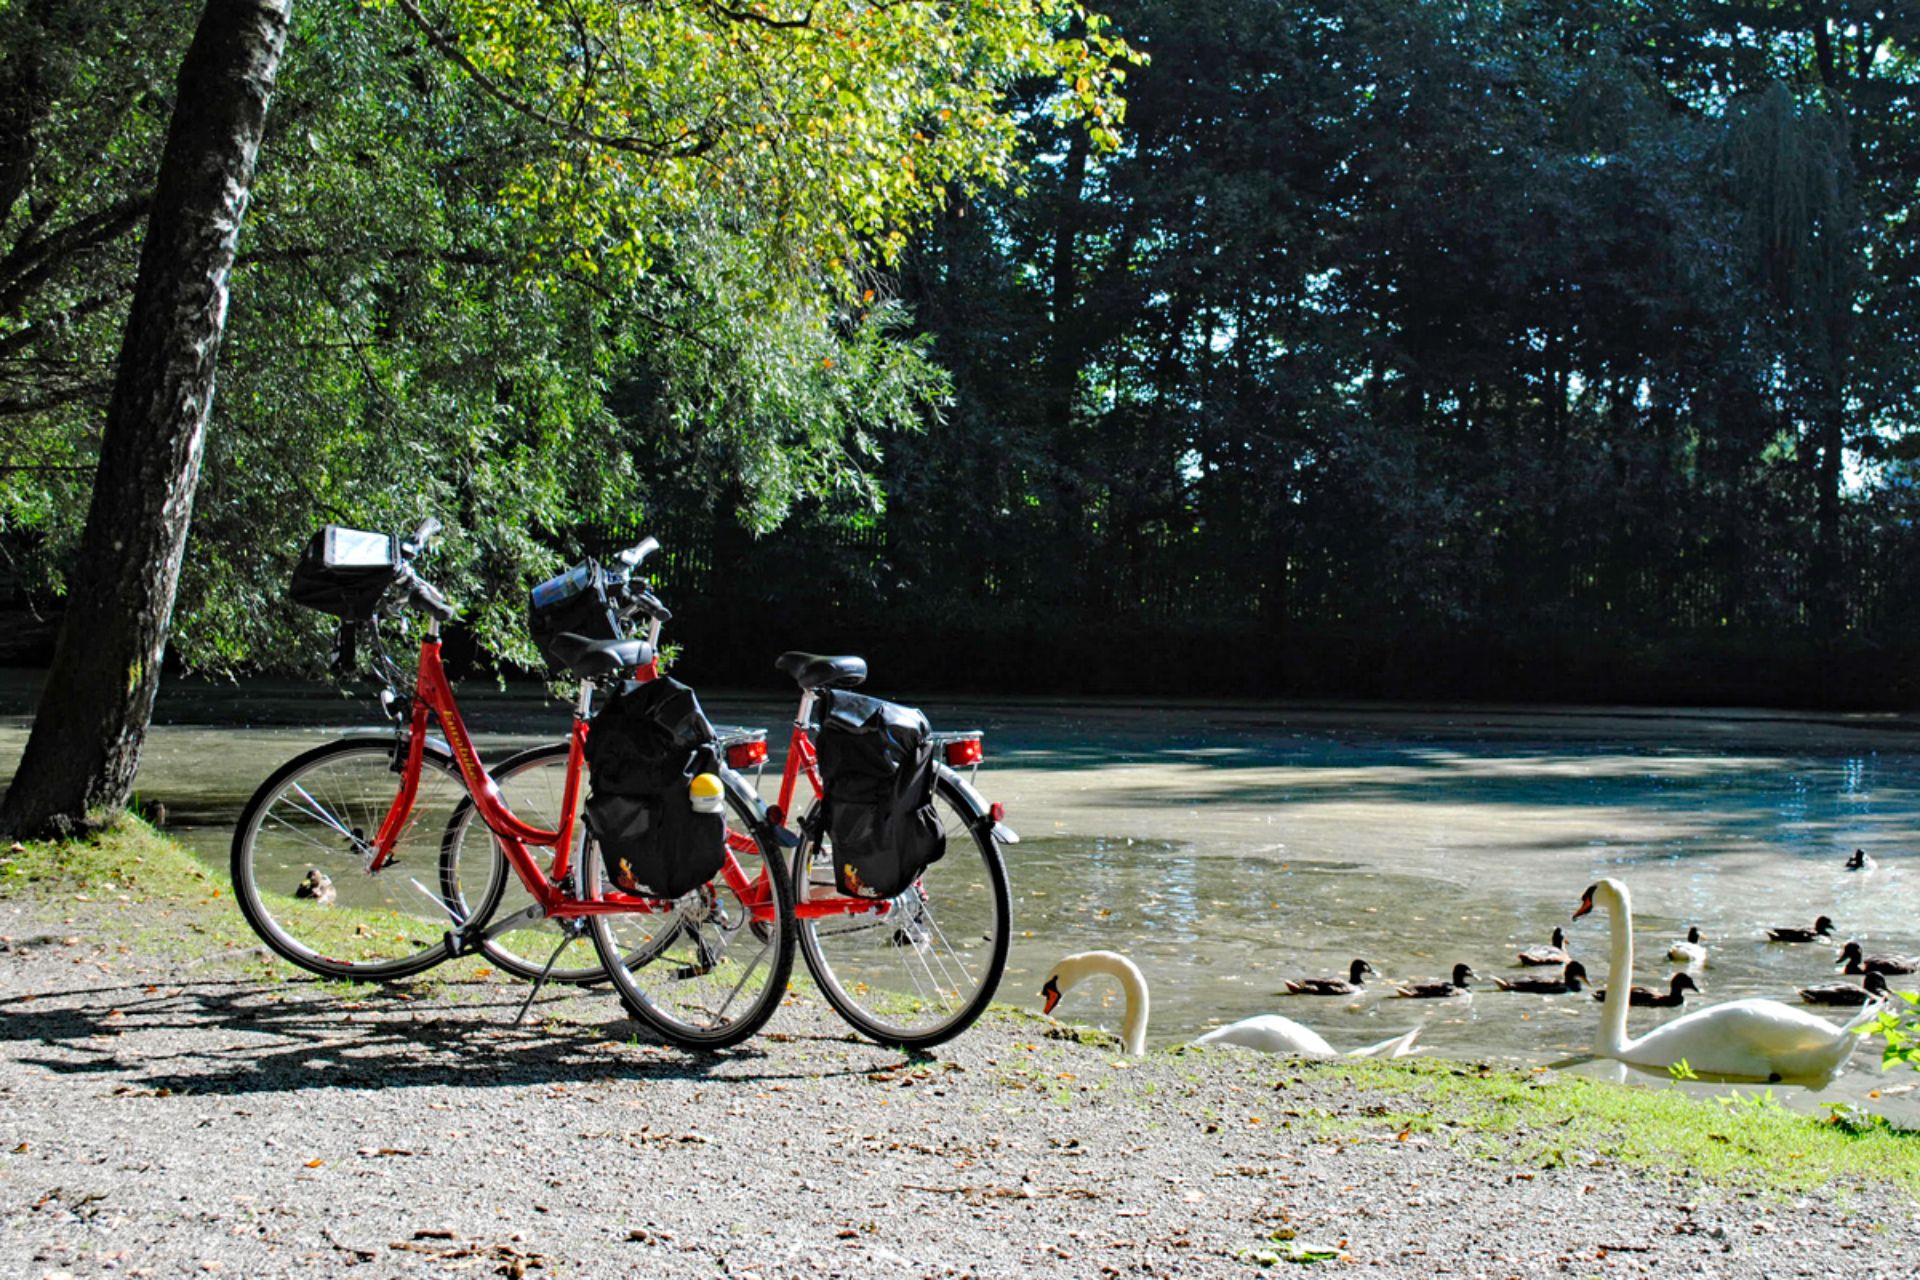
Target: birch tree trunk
x,y
93,712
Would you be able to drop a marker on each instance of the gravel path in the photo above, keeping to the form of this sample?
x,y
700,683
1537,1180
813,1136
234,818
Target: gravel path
x,y
198,1121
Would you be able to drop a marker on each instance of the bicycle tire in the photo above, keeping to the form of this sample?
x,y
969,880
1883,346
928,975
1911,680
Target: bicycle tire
x,y
924,972
299,862
684,984
533,790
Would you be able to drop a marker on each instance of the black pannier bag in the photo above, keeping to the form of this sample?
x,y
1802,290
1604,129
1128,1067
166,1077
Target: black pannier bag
x,y
877,765
644,750
575,603
344,572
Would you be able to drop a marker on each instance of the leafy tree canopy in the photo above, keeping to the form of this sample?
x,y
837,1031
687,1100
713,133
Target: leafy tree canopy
x,y
524,272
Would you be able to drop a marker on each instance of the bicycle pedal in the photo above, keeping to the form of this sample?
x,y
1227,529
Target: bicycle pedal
x,y
687,972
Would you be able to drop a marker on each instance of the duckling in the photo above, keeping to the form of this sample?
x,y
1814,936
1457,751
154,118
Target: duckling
x,y
1439,990
317,887
1857,963
1647,998
1822,928
1689,950
1860,861
1570,980
1332,986
1872,987
1554,953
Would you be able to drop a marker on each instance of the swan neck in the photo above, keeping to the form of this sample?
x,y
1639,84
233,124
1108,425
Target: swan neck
x,y
1613,1011
1133,1026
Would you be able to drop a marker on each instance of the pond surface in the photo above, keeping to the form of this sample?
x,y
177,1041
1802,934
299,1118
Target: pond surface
x,y
1226,849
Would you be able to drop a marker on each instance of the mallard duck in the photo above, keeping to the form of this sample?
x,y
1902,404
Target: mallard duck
x,y
1439,990
1872,987
1554,953
317,887
1648,998
1267,1032
1857,963
1332,986
1749,1039
1822,928
1860,861
1570,980
1689,950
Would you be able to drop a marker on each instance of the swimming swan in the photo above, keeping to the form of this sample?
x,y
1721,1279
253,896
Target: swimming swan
x,y
1269,1033
1753,1039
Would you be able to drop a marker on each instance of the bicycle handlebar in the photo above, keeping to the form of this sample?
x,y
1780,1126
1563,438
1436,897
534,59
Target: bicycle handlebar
x,y
421,537
425,596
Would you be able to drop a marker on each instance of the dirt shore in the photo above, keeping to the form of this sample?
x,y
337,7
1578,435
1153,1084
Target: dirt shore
x,y
207,1115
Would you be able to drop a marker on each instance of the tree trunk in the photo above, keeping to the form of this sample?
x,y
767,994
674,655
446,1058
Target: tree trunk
x,y
93,712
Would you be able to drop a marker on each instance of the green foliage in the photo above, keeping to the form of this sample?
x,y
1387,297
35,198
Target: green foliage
x,y
1899,1031
467,288
821,132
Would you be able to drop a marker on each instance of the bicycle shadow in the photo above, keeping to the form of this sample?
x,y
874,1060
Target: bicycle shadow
x,y
235,1038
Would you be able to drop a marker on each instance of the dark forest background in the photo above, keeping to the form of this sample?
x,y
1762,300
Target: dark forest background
x,y
1559,350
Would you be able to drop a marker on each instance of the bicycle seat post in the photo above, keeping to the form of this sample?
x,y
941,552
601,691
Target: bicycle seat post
x,y
805,713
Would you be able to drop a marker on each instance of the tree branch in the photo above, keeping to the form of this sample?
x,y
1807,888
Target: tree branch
x,y
687,145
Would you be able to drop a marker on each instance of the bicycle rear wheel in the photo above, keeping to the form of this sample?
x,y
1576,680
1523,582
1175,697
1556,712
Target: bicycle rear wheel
x,y
475,874
708,969
301,854
918,969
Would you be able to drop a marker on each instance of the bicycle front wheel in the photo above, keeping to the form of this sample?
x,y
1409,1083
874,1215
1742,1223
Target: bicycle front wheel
x,y
916,970
302,854
709,968
475,874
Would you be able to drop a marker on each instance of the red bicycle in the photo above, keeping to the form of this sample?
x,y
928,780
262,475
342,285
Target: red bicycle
x,y
917,969
328,853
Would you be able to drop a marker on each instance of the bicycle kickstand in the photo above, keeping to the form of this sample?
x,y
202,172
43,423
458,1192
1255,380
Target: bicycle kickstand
x,y
541,981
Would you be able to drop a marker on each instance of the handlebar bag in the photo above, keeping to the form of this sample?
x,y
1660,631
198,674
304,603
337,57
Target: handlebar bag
x,y
344,572
877,766
643,751
574,603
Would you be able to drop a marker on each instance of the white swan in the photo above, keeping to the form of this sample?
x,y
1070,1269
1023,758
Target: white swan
x,y
1750,1039
1269,1033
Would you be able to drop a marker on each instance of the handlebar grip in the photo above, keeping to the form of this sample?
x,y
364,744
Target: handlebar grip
x,y
427,597
417,542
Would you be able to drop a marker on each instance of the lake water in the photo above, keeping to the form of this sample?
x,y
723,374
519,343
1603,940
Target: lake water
x,y
1226,849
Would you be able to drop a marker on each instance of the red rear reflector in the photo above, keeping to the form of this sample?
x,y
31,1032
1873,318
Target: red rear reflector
x,y
965,752
746,755
998,812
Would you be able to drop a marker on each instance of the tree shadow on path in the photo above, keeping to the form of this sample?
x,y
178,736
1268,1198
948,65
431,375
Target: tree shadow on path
x,y
239,1037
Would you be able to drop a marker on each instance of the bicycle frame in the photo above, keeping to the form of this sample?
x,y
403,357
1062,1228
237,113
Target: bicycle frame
x,y
549,888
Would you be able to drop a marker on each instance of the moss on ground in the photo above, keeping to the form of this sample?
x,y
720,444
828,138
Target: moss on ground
x,y
1549,1120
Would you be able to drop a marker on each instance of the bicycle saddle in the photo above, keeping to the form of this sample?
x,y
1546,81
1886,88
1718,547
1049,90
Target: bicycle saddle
x,y
590,658
811,671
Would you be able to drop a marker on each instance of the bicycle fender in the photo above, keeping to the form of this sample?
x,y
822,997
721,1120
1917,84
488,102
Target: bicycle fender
x,y
745,790
979,812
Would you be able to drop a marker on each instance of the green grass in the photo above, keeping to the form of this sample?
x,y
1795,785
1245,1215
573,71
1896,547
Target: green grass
x,y
163,902
1742,1139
